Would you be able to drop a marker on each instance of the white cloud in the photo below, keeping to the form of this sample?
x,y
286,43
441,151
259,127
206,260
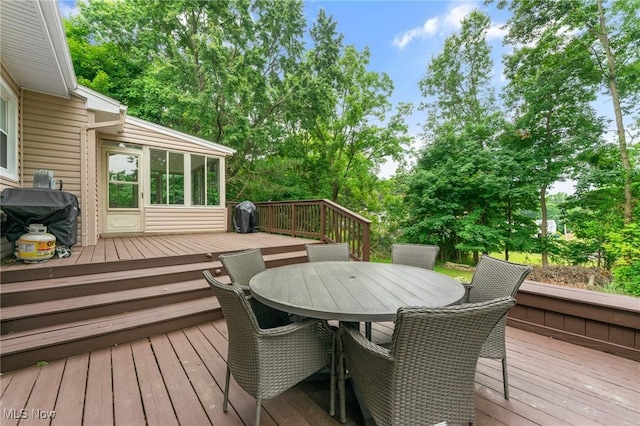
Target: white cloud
x,y
442,24
429,28
496,32
68,8
457,14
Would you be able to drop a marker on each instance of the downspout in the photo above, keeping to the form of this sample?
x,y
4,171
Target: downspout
x,y
92,239
20,118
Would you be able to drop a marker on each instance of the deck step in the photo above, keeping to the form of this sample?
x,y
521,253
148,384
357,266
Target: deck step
x,y
53,342
63,315
29,316
20,293
52,269
44,290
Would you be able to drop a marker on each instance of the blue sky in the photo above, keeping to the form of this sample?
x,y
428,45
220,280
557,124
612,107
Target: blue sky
x,y
402,36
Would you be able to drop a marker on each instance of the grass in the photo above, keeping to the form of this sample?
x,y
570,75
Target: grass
x,y
462,276
533,259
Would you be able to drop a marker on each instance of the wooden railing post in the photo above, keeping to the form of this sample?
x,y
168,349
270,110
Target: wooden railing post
x,y
293,219
323,220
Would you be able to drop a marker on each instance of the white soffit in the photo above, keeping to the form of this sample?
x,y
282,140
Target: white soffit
x,y
33,46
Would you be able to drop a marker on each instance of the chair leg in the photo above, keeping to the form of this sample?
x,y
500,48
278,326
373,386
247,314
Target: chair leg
x,y
332,378
258,409
367,330
505,377
226,390
341,383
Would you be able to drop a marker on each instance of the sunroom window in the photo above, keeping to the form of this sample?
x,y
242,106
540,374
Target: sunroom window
x,y
167,177
8,132
205,181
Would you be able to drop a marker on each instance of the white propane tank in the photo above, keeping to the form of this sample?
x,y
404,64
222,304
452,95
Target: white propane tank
x,y
37,245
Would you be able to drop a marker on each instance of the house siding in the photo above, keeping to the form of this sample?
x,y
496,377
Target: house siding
x,y
159,220
51,141
139,135
171,219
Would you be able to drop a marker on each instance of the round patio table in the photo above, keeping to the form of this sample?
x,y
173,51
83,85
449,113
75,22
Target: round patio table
x,y
352,291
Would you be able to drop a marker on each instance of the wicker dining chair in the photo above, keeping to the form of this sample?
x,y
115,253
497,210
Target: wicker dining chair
x,y
241,267
327,252
420,255
496,278
427,375
267,362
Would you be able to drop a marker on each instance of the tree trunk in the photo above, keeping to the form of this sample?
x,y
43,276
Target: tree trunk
x,y
543,225
615,97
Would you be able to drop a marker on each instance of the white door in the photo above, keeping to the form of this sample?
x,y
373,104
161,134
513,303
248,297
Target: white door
x,y
123,191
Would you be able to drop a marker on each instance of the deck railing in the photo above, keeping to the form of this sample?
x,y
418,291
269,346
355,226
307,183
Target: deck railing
x,y
319,219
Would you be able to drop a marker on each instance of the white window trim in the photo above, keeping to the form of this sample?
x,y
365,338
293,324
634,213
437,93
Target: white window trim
x,y
187,179
11,172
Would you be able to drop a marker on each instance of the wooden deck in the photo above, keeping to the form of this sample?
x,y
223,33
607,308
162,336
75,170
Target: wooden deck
x,y
178,377
158,247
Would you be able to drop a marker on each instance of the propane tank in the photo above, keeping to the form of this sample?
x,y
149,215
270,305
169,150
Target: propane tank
x,y
37,245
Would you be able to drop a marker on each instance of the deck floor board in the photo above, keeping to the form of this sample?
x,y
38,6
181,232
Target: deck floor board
x,y
178,378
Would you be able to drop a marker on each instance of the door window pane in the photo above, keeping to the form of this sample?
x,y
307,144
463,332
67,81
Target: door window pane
x,y
123,196
123,181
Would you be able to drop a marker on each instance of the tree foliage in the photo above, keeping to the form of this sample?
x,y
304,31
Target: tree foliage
x,y
466,192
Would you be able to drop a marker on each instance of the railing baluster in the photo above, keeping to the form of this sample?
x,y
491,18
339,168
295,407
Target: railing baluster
x,y
322,219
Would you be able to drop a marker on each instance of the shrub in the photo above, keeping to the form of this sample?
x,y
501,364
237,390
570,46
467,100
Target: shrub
x,y
625,246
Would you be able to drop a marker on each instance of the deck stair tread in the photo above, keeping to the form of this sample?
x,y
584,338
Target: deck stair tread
x,y
8,288
84,302
47,270
104,277
41,291
52,314
55,335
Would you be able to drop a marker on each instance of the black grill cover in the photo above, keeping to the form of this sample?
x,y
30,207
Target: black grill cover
x,y
57,210
245,218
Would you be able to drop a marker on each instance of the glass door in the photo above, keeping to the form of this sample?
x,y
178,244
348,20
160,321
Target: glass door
x,y
123,191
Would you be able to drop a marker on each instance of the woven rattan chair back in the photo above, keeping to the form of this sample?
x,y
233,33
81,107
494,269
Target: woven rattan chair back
x,y
327,252
496,278
420,255
242,266
266,363
427,374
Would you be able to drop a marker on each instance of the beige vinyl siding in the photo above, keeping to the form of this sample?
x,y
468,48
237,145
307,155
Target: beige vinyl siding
x,y
172,219
159,220
138,135
51,141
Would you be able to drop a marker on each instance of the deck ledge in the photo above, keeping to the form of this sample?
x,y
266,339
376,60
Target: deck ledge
x,y
603,321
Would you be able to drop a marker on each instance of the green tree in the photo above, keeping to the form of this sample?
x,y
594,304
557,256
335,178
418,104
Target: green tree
x,y
466,190
606,31
341,128
548,90
213,69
